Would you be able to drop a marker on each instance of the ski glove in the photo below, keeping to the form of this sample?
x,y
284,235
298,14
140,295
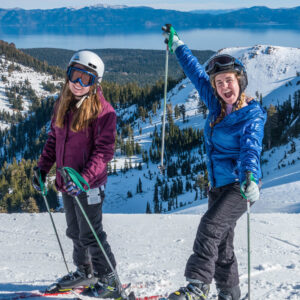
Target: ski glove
x,y
171,37
71,189
250,190
35,180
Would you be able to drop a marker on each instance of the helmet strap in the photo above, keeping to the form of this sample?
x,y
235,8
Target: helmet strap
x,y
78,104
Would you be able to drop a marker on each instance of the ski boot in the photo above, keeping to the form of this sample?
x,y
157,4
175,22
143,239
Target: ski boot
x,y
83,276
105,287
233,293
193,291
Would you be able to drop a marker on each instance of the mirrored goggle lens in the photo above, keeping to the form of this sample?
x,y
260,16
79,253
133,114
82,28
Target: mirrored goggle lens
x,y
85,78
222,61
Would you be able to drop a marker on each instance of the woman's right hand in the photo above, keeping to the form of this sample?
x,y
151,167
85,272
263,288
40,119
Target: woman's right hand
x,y
171,37
35,180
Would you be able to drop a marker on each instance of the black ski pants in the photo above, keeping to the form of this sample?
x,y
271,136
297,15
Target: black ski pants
x,y
85,247
213,255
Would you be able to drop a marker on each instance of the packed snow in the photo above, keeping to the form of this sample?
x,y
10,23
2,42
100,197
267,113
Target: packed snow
x,y
151,251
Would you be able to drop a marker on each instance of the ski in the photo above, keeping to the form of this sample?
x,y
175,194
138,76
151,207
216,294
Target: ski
x,y
41,294
72,295
69,295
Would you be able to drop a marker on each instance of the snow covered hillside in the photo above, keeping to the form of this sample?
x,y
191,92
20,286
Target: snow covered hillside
x,y
272,70
14,74
151,252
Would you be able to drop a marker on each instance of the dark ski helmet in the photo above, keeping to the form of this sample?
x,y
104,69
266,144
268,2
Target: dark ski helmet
x,y
223,63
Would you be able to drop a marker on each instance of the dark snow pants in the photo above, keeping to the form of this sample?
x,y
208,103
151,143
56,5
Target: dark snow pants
x,y
85,247
213,247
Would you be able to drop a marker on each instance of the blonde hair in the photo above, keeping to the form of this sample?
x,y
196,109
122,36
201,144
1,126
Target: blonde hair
x,y
238,105
88,111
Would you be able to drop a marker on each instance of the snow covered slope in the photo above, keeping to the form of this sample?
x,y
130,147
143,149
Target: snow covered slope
x,y
17,76
268,67
151,252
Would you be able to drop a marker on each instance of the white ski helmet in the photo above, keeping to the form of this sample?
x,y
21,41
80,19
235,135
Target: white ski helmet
x,y
90,60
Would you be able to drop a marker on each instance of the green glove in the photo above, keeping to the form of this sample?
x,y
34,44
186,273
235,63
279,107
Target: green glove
x,y
171,37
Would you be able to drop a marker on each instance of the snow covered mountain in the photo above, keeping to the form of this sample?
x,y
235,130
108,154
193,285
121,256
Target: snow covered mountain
x,y
15,76
272,71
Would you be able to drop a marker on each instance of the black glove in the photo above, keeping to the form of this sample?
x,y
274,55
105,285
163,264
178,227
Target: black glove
x,y
35,179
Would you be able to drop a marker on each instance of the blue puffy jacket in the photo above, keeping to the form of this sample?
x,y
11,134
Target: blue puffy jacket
x,y
234,145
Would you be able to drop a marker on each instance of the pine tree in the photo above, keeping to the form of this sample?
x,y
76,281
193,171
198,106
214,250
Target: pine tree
x,y
155,199
140,186
148,209
182,111
166,192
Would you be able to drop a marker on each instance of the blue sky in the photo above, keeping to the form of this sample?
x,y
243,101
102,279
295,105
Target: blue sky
x,y
185,5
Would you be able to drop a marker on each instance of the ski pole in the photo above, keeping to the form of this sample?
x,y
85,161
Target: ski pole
x,y
248,182
38,176
162,167
66,177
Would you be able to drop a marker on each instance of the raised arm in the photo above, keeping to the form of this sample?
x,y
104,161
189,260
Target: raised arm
x,y
191,67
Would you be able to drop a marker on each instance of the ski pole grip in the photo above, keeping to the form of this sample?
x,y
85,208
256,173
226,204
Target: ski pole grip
x,y
248,179
36,172
63,174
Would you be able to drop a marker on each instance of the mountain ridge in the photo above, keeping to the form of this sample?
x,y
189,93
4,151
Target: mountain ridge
x,y
138,19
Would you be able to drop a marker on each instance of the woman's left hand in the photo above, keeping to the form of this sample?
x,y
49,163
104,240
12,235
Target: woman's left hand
x,y
251,191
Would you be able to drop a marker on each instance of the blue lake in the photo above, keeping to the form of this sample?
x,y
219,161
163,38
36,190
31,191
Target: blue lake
x,y
201,39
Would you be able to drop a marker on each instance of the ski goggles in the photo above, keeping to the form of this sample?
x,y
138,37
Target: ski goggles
x,y
219,61
85,78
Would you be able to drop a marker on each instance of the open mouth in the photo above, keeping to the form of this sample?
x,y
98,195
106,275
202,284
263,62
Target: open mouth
x,y
228,94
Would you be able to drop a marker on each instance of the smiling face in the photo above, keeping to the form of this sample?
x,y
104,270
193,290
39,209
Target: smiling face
x,y
227,86
77,90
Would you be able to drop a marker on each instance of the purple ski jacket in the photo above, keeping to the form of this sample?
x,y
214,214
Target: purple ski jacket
x,y
87,151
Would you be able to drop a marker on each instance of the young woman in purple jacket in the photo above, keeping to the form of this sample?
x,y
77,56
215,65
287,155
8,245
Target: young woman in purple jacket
x,y
82,136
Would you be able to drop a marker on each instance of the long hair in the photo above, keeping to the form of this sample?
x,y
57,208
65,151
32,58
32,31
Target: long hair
x,y
238,104
88,111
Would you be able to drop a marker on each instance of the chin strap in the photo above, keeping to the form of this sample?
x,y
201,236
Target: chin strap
x,y
78,104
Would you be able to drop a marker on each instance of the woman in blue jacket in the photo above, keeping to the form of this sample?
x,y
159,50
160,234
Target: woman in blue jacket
x,y
233,139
